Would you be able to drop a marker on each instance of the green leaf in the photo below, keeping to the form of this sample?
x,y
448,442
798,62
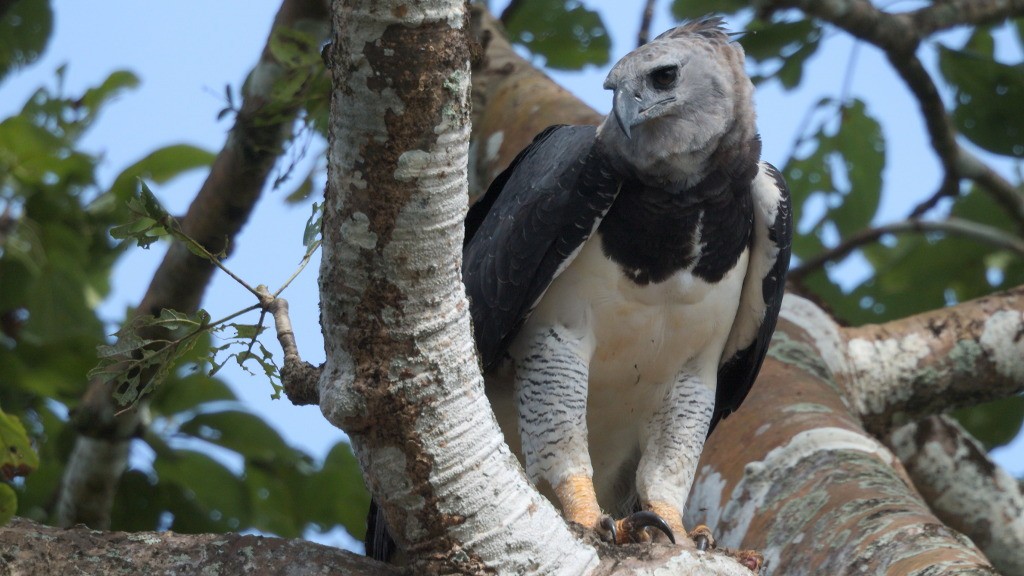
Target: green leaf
x,y
341,477
842,170
179,321
243,432
8,503
304,190
568,35
692,9
994,424
295,48
189,393
148,205
781,49
1019,25
149,221
218,494
861,149
273,492
981,42
246,331
158,166
58,307
25,31
139,503
313,225
17,457
119,81
151,358
988,96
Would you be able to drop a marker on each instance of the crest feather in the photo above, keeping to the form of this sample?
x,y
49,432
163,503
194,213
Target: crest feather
x,y
710,27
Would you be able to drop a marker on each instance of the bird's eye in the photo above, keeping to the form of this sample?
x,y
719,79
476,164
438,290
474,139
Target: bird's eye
x,y
663,78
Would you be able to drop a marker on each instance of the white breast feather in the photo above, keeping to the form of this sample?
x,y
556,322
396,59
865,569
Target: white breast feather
x,y
764,252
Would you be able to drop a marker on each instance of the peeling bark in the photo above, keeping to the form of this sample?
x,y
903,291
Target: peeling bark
x,y
794,475
912,368
965,488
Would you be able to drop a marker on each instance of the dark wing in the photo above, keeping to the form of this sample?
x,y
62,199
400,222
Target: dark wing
x,y
762,292
528,227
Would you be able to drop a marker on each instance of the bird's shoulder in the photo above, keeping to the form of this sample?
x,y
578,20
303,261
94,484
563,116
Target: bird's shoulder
x,y
528,227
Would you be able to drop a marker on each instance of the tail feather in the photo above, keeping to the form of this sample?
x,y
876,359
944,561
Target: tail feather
x,y
379,543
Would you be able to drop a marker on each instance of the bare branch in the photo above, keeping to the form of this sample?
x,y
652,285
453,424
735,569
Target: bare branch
x,y
644,36
950,226
300,379
908,369
965,488
32,549
951,13
899,36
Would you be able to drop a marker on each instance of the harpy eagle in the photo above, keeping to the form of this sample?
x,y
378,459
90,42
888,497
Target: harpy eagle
x,y
625,280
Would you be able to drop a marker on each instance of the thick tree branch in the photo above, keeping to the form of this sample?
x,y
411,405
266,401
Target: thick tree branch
x,y
794,475
951,226
30,549
220,209
965,488
513,101
912,368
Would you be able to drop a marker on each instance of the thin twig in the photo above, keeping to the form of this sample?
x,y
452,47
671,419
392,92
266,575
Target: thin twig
x,y
302,266
174,228
644,36
951,226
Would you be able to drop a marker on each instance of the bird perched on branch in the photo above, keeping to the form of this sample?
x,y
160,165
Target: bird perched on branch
x,y
625,280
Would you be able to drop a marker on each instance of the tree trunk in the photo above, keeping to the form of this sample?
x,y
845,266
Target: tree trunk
x,y
401,376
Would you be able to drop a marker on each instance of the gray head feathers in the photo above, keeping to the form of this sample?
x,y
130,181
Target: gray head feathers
x,y
677,101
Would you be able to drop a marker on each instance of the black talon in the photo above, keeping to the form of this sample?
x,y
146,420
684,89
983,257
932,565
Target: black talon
x,y
702,543
608,523
646,518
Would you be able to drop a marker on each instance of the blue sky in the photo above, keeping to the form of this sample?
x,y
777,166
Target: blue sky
x,y
186,52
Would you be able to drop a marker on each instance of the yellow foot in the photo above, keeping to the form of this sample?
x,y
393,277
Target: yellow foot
x,y
752,559
702,538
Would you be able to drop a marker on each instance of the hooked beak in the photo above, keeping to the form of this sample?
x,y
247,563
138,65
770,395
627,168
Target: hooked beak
x,y
627,111
631,110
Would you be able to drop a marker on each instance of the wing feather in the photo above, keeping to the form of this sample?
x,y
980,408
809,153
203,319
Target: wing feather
x,y
528,227
762,291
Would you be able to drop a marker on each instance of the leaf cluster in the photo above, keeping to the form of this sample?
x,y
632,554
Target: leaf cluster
x,y
217,466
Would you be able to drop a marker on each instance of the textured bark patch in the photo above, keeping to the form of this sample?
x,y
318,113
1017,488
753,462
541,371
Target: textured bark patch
x,y
390,370
416,77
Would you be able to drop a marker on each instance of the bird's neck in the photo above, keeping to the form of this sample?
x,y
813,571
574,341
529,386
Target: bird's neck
x,y
654,230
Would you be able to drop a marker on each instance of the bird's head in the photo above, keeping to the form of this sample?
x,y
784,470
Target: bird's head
x,y
677,100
